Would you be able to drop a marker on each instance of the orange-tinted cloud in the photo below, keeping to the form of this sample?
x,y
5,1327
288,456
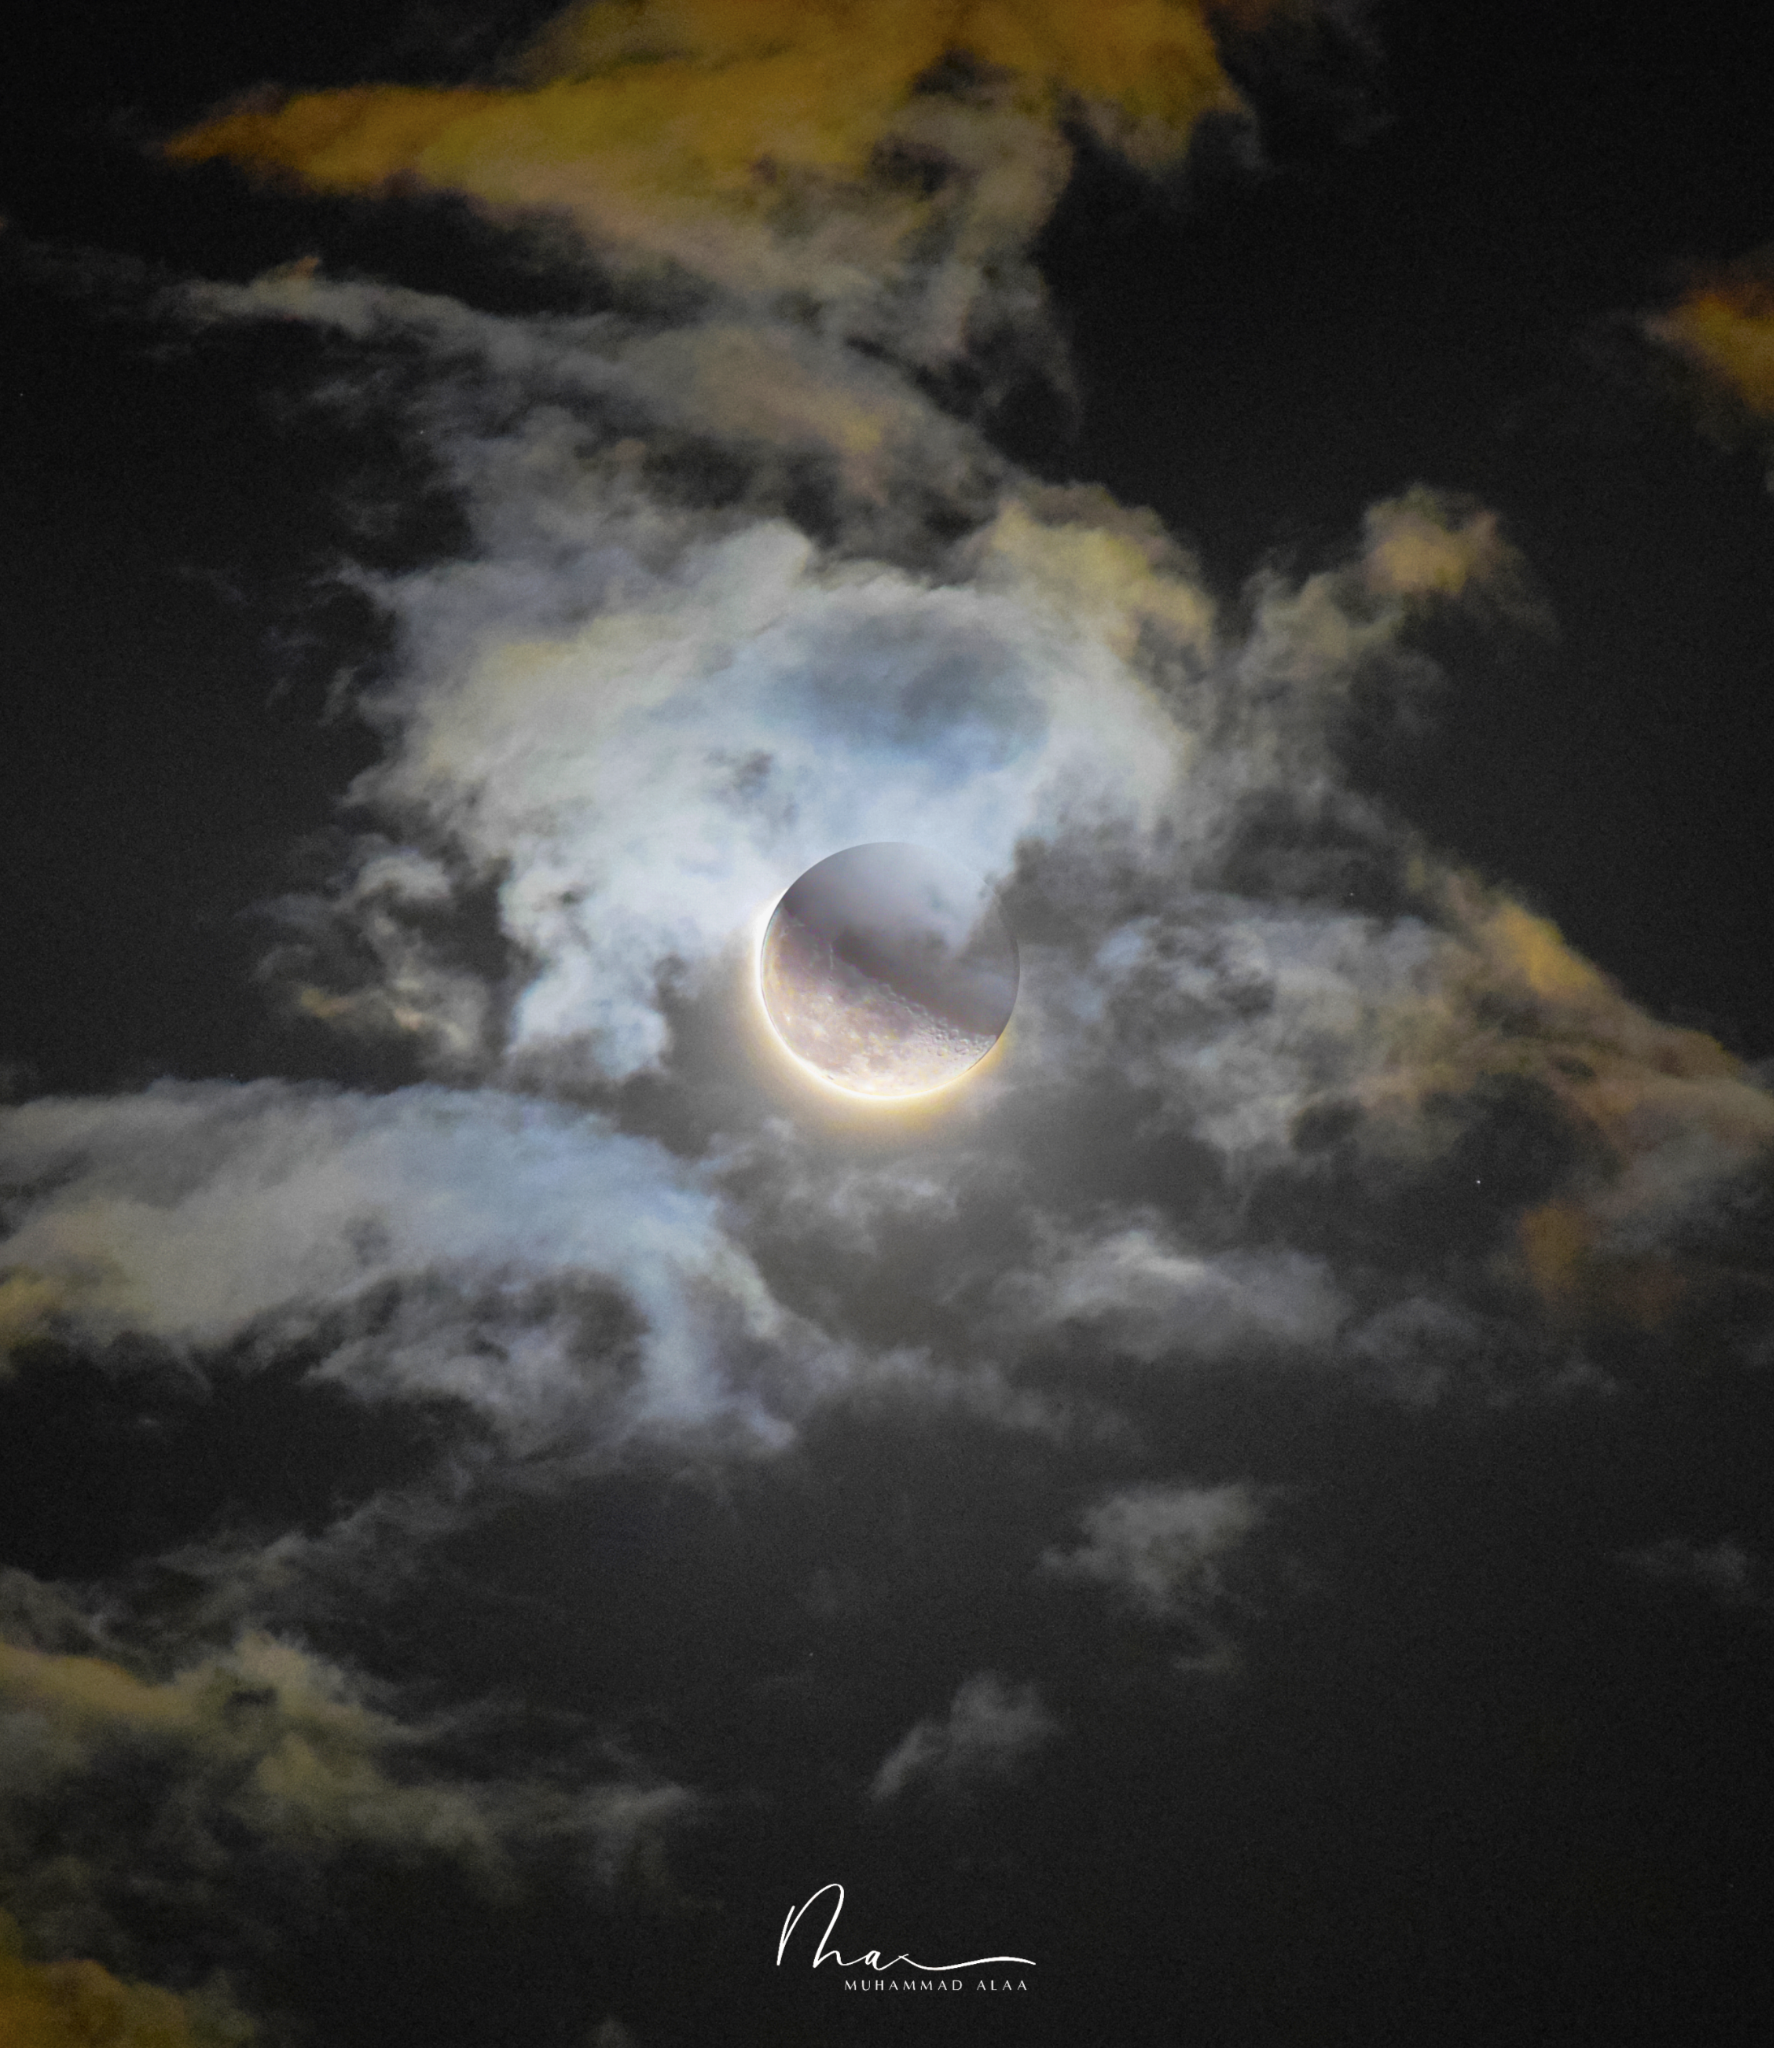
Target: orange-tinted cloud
x,y
773,146
1664,1113
285,1744
1420,545
1579,1281
81,2005
1724,328
270,1742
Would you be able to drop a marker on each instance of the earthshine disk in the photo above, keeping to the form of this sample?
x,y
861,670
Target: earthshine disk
x,y
888,969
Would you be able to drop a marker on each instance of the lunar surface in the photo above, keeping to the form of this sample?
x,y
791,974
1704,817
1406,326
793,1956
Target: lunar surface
x,y
889,970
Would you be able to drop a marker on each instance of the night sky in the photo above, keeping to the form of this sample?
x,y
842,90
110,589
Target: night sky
x,y
1257,1501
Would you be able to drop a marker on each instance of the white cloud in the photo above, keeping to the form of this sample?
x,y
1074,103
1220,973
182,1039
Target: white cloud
x,y
1164,1549
650,783
442,1244
990,1729
1136,1292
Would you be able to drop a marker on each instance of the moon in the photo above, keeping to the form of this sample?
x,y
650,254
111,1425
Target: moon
x,y
889,970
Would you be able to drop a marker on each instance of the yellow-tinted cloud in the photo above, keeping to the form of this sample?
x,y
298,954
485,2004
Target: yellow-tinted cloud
x,y
1637,1080
1667,1113
81,2005
776,146
270,1741
1725,329
1417,545
1078,552
28,1302
290,1750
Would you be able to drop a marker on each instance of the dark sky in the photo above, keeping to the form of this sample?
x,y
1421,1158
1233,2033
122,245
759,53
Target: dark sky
x,y
1263,1508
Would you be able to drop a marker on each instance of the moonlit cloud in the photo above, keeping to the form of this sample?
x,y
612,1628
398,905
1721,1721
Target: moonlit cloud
x,y
68,2004
1164,1549
892,178
1723,328
1288,1092
248,1759
1134,1294
990,1729
631,718
822,710
530,1262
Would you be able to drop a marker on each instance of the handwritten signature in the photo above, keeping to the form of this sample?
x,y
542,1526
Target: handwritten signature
x,y
869,1958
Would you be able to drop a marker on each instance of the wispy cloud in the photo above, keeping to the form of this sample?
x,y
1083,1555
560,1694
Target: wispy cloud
x,y
527,1260
1722,329
991,1728
262,1758
1167,1551
1727,1571
743,584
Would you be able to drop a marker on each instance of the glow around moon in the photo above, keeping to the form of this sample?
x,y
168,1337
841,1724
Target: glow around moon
x,y
889,970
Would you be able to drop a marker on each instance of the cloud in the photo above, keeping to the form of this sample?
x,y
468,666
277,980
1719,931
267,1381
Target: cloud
x,y
1422,1349
649,785
644,703
1165,1551
1136,1294
989,1731
626,722
526,1260
742,585
611,2033
298,1753
1726,1571
1425,545
1723,327
77,2004
261,1758
887,164
1712,351
596,445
